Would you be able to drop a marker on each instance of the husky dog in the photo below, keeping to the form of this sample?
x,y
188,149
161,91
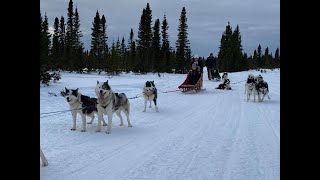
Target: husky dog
x,y
150,94
261,88
225,85
43,158
110,102
84,105
224,76
250,87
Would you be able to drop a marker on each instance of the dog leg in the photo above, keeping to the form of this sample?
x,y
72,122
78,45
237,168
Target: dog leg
x,y
268,96
245,89
104,122
43,158
84,123
74,118
100,117
92,118
109,122
126,111
118,112
150,104
145,105
155,104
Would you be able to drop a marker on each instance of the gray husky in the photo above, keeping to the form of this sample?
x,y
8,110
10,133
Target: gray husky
x,y
110,102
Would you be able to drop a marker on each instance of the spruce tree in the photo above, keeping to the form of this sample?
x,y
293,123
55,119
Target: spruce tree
x,y
183,53
55,50
156,63
237,63
259,56
96,40
277,58
104,44
132,51
144,40
77,45
44,50
70,37
123,52
62,35
225,50
166,65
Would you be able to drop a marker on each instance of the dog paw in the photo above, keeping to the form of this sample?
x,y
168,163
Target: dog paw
x,y
105,124
83,130
144,111
129,125
120,124
89,123
73,129
98,130
45,164
108,132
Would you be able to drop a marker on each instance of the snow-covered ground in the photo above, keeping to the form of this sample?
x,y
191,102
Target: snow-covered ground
x,y
211,135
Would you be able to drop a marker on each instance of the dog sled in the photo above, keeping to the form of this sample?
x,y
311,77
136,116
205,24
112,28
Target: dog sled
x,y
188,87
215,74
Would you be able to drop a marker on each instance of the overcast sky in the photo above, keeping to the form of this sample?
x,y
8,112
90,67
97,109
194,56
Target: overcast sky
x,y
258,20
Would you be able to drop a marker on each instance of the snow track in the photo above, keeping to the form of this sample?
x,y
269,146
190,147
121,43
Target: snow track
x,y
213,134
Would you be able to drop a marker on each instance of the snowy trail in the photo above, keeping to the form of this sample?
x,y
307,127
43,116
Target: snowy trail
x,y
213,134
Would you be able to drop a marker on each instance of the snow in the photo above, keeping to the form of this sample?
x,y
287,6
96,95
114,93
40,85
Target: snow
x,y
213,134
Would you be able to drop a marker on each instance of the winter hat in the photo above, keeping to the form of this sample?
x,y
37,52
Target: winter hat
x,y
194,66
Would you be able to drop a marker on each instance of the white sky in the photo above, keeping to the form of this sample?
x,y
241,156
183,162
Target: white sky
x,y
214,134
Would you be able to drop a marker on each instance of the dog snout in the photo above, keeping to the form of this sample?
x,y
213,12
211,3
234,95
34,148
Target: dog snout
x,y
101,91
68,99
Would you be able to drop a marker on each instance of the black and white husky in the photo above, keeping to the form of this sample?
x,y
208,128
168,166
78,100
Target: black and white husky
x,y
150,94
225,84
110,102
250,87
80,104
43,158
262,88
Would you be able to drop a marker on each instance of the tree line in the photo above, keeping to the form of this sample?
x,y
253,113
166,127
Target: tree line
x,y
148,51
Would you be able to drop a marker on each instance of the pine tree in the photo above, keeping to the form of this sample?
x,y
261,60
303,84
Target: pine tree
x,y
44,50
96,39
70,37
132,51
144,39
166,65
255,59
62,35
77,45
156,61
76,31
55,50
277,58
183,53
104,44
225,50
123,55
259,56
237,62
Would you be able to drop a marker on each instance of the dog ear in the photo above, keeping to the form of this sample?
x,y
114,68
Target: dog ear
x,y
107,82
79,96
67,90
97,82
